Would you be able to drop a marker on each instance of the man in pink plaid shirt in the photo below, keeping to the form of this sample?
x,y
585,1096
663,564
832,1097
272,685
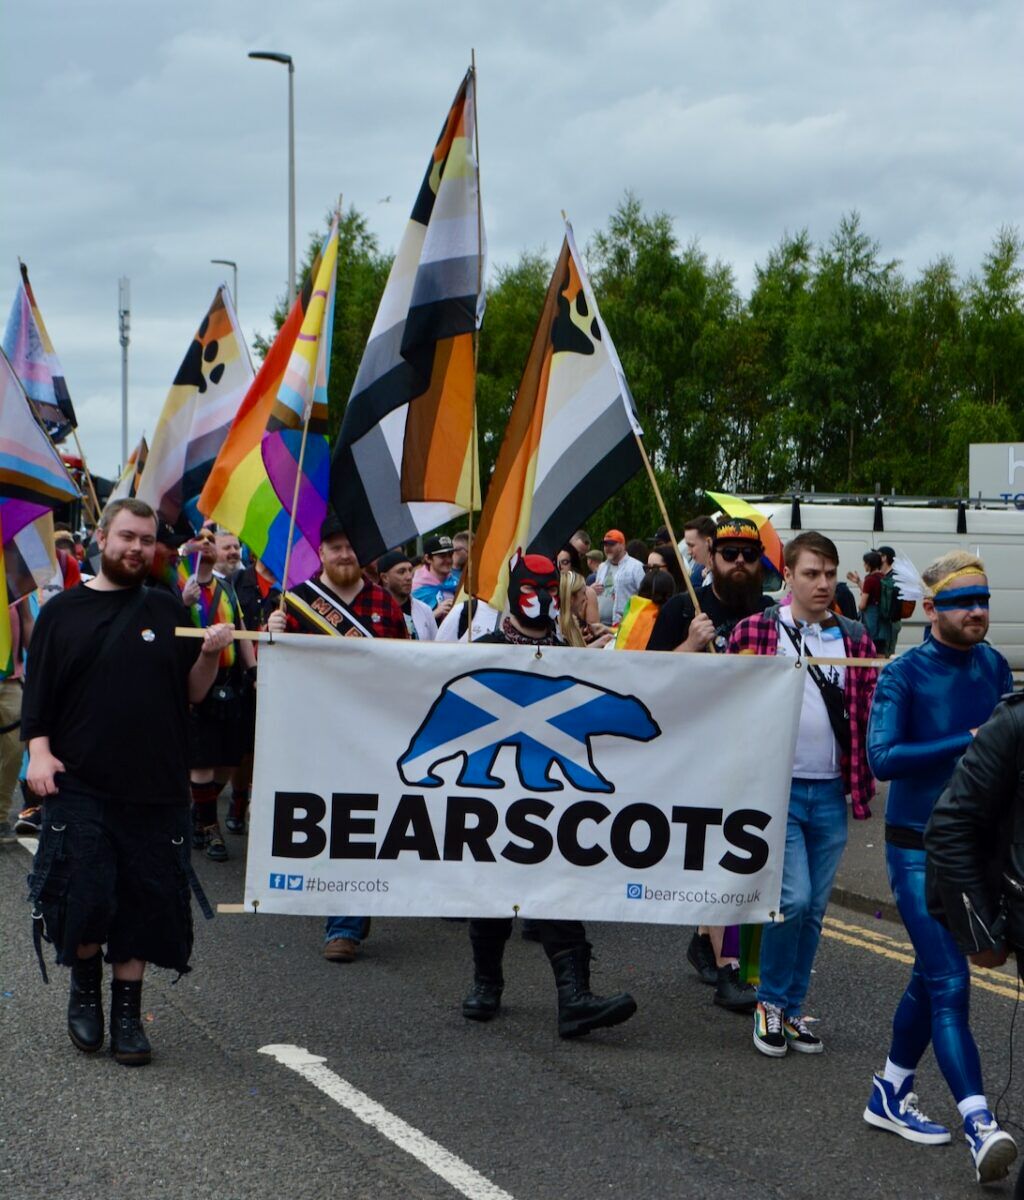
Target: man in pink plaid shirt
x,y
830,762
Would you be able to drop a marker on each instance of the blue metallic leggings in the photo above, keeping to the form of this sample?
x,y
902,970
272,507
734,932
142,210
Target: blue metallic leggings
x,y
935,1007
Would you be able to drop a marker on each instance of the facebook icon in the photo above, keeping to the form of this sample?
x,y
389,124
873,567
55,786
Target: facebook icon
x,y
277,881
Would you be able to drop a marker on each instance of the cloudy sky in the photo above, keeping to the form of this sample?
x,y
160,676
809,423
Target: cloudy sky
x,y
141,141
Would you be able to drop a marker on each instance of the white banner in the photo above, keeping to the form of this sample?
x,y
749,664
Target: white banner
x,y
423,779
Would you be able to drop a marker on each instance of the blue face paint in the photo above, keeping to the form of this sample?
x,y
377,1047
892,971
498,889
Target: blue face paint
x,y
962,598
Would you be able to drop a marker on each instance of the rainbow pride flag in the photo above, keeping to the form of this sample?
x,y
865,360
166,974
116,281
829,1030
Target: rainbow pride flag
x,y
239,493
301,408
637,624
214,607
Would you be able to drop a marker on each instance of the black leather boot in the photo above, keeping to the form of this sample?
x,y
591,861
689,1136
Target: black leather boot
x,y
85,1003
579,1010
128,1043
732,993
483,1000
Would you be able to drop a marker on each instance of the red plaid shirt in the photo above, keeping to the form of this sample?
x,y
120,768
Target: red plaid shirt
x,y
375,609
759,634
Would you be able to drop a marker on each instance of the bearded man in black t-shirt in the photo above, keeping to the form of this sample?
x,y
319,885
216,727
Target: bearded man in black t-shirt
x,y
105,716
531,622
733,593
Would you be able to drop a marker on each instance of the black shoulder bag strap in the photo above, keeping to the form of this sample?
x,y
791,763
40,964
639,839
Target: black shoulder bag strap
x,y
831,693
117,627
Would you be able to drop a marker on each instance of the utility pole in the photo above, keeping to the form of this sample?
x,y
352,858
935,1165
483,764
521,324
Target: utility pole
x,y
124,324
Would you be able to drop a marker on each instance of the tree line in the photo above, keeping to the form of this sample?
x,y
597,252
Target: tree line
x,y
837,372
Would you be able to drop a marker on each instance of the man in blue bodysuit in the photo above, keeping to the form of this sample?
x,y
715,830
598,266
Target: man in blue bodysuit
x,y
928,704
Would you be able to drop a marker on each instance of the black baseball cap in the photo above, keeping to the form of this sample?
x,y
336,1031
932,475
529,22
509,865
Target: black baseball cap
x,y
438,545
392,559
331,527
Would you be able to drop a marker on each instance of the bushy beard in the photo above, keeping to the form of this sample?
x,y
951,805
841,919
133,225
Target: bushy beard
x,y
739,593
119,572
344,576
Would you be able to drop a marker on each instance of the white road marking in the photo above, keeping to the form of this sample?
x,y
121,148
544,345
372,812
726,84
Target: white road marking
x,y
31,844
433,1156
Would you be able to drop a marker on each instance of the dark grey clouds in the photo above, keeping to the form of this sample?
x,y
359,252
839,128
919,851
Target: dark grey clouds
x,y
141,141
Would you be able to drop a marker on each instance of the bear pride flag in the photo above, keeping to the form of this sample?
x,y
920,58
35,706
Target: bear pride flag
x,y
208,388
406,458
571,439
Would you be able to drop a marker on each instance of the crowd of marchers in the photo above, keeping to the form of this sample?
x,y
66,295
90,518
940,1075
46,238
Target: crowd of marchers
x,y
119,807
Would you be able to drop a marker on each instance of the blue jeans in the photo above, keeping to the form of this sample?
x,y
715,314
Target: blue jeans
x,y
935,1006
815,839
353,928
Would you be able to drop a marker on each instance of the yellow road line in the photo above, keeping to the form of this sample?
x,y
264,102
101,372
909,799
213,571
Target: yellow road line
x,y
872,934
978,981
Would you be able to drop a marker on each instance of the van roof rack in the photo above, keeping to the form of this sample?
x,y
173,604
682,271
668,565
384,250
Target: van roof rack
x,y
886,499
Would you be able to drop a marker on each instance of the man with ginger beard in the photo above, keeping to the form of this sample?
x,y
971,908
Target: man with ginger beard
x,y
340,602
733,593
105,717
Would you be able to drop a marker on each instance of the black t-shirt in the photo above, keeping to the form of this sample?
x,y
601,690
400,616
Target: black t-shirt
x,y
119,725
673,624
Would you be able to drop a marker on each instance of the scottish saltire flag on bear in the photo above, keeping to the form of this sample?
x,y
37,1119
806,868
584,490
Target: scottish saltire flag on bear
x,y
27,344
297,426
405,461
208,389
571,439
239,494
31,470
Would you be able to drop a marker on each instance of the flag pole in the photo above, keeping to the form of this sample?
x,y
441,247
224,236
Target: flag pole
x,y
671,533
88,479
298,478
474,452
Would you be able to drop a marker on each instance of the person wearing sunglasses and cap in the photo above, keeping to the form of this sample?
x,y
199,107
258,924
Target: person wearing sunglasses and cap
x,y
733,593
928,705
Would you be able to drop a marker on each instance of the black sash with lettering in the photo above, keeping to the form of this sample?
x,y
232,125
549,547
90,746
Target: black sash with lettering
x,y
319,610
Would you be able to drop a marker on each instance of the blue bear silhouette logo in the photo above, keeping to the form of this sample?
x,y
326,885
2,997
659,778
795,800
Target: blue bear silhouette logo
x,y
549,721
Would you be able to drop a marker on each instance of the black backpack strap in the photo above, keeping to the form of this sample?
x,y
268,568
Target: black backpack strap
x,y
118,626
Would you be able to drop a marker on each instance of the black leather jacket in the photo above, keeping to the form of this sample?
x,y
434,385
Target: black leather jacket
x,y
975,838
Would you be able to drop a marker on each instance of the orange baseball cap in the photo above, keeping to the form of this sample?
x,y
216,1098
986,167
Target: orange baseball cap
x,y
614,535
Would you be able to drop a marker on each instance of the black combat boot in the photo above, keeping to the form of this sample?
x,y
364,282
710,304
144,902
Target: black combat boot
x,y
128,1043
85,1003
483,1000
732,993
579,1010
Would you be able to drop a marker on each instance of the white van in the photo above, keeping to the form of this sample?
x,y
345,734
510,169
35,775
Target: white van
x,y
922,530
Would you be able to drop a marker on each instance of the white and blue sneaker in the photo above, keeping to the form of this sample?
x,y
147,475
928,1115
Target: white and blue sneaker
x,y
992,1148
896,1110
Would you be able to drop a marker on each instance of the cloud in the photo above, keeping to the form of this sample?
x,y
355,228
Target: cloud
x,y
144,142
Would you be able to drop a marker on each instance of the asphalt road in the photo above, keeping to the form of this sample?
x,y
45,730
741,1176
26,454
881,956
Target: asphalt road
x,y
676,1103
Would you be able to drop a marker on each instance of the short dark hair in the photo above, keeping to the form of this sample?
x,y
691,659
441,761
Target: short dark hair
x,y
138,508
888,554
814,543
873,560
583,536
703,525
658,586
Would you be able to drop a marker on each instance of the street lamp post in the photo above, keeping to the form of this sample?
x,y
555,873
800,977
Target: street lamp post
x,y
124,329
274,56
227,262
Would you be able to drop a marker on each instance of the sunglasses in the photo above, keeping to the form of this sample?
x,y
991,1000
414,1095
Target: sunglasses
x,y
749,554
